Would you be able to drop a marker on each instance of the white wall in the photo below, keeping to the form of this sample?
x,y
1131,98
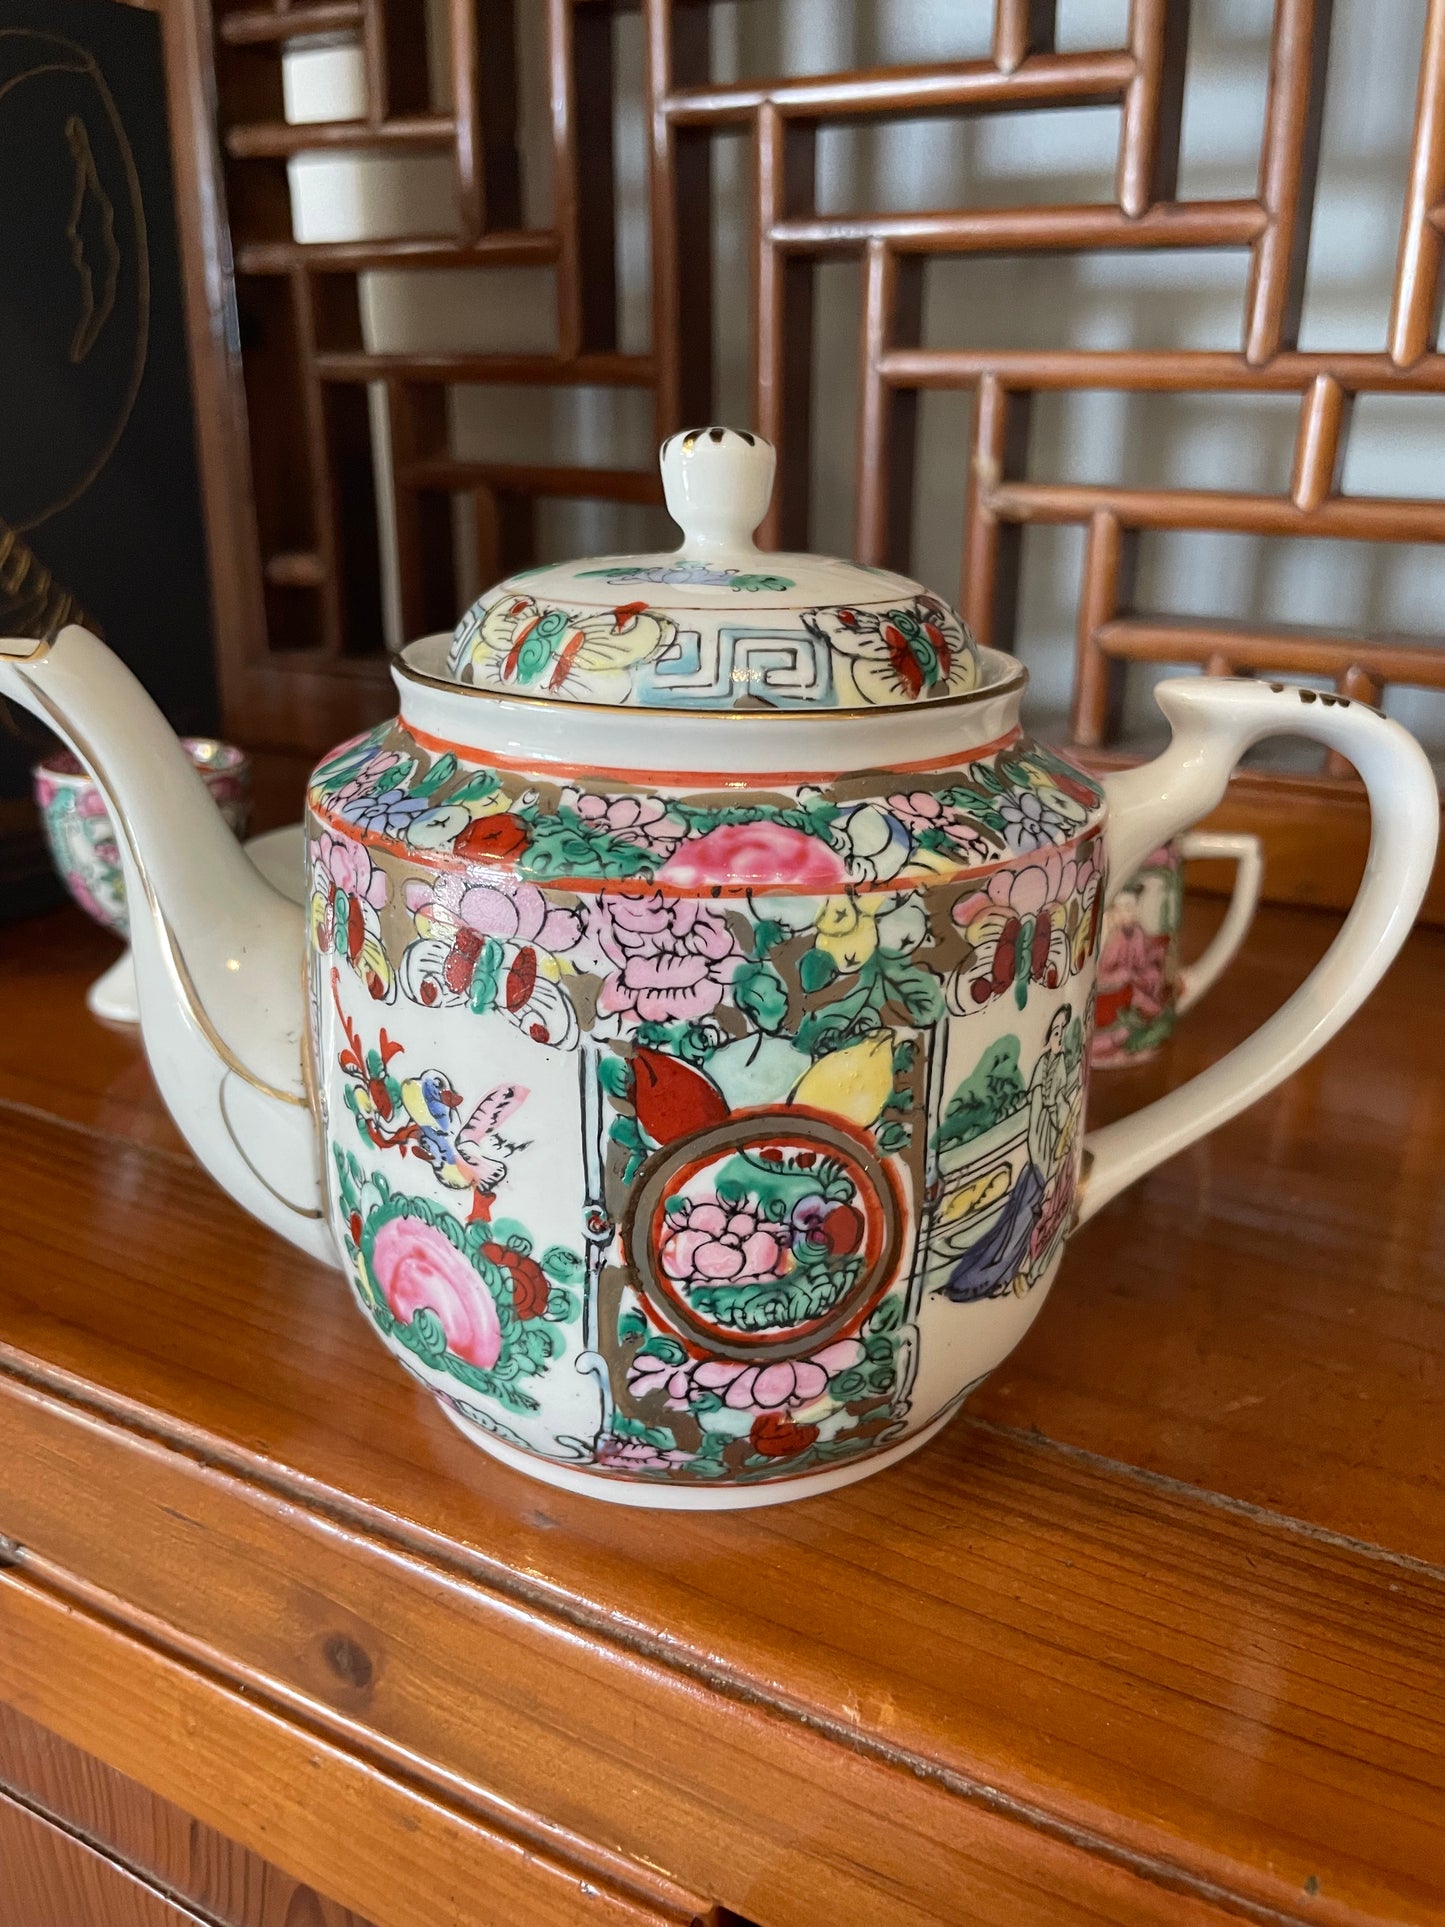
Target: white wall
x,y
1100,301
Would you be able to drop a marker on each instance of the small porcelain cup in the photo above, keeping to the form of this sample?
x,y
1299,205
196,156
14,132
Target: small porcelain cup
x,y
82,841
1143,986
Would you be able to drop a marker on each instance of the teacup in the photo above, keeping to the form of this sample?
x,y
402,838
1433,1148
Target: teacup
x,y
1143,985
83,844
82,837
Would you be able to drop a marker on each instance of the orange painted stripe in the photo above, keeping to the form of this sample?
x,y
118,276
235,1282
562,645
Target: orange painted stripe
x,y
695,779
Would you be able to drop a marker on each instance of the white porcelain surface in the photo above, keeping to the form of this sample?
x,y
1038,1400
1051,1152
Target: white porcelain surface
x,y
279,855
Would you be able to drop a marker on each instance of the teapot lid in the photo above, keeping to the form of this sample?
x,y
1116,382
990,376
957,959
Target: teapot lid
x,y
717,624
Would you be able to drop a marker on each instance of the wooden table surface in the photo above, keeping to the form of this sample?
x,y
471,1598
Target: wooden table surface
x,y
1155,1632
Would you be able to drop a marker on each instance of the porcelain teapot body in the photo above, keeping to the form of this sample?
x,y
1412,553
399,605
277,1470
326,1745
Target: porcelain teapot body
x,y
698,994
704,1129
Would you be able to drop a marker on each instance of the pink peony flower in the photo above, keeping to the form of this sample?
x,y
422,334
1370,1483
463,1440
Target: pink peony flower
x,y
710,1244
673,956
762,855
771,1388
350,868
649,1373
501,907
643,821
636,1455
1026,888
923,810
417,1266
366,779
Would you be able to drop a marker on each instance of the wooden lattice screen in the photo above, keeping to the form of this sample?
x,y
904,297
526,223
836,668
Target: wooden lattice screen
x,y
284,413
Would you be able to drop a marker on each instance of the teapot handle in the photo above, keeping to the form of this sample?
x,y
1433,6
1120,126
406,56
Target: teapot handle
x,y
1213,722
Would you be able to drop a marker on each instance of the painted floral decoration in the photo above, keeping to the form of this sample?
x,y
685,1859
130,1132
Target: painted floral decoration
x,y
673,957
769,956
1020,800
348,892
1030,923
418,1269
493,944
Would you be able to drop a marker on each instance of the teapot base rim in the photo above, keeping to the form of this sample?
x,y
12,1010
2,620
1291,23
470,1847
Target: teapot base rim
x,y
653,1495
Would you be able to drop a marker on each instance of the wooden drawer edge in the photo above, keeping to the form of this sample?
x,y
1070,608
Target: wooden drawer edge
x,y
407,1860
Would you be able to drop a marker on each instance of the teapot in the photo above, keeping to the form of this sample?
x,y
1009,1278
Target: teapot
x,y
682,1049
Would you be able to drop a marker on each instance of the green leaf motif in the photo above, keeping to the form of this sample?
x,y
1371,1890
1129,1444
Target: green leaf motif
x,y
338,769
914,988
806,1293
816,970
615,1076
767,935
852,1016
539,1342
476,788
428,1331
632,1428
627,1133
441,771
761,992
563,845
774,584
486,976
563,1266
664,1348
692,1041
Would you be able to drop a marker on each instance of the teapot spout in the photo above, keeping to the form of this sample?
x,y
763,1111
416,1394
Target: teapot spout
x,y
218,952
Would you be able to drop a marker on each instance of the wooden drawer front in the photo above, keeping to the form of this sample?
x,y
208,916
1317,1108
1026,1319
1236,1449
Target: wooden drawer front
x,y
48,1878
383,1845
603,1753
156,1841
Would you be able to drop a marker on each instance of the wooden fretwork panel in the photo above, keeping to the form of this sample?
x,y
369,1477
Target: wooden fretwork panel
x,y
303,634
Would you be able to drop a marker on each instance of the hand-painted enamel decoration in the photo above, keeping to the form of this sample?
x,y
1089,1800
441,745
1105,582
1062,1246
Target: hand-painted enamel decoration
x,y
666,631
1143,984
82,837
700,1087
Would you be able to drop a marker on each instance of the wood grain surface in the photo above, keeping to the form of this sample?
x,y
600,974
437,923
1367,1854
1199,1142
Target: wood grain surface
x,y
1155,1632
50,1879
159,1843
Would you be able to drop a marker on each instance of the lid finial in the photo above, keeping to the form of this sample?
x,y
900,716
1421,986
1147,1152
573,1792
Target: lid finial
x,y
717,483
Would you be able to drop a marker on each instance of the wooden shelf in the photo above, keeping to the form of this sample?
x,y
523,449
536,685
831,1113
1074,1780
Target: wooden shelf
x,y
1152,1634
531,370
261,27
276,140
523,249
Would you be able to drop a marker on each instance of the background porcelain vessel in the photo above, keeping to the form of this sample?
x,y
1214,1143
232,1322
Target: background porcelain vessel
x,y
700,981
1144,985
86,850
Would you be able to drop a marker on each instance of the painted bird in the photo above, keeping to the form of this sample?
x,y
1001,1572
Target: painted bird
x,y
468,1157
